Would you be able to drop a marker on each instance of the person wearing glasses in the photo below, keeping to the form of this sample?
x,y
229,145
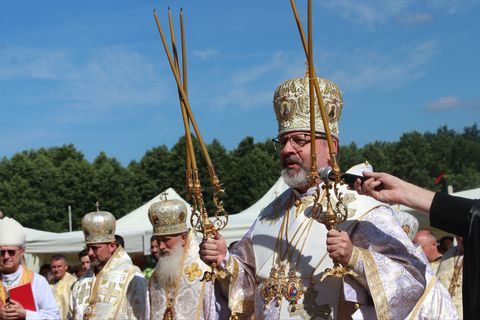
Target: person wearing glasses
x,y
277,269
12,243
113,288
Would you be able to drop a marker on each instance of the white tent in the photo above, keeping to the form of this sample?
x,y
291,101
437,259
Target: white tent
x,y
239,223
136,229
132,227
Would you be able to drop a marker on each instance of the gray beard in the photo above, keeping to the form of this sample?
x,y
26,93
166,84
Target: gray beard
x,y
296,179
168,267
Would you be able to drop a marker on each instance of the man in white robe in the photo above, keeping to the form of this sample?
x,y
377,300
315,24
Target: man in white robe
x,y
176,289
113,288
12,242
277,267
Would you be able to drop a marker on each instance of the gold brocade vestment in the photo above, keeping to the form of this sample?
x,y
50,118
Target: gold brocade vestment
x,y
118,291
190,298
62,291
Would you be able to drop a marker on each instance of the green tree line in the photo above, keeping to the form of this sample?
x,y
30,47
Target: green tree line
x,y
37,186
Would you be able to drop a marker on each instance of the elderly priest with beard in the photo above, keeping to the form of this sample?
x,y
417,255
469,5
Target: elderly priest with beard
x,y
113,288
17,277
176,289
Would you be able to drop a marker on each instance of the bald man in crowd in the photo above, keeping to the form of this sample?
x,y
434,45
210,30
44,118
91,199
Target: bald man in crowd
x,y
428,242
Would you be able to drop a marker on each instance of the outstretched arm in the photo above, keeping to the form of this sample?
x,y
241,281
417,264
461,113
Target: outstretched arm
x,y
387,188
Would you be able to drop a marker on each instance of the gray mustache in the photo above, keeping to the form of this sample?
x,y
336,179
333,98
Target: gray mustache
x,y
293,159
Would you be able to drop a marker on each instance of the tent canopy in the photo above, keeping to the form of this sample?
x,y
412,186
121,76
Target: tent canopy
x,y
239,223
134,227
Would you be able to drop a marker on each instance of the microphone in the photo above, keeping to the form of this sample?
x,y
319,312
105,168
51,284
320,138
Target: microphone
x,y
327,174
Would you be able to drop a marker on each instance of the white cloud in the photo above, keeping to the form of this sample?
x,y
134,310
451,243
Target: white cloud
x,y
369,12
251,87
453,6
205,54
415,18
444,103
362,69
87,86
377,12
32,63
452,102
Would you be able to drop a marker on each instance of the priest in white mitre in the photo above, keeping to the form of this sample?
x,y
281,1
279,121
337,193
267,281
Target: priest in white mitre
x,y
277,266
113,288
176,289
12,246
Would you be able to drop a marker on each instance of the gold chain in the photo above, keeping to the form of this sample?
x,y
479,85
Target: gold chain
x,y
457,271
279,284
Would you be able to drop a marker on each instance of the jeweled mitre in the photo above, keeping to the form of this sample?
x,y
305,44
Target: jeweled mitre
x,y
291,102
168,217
99,227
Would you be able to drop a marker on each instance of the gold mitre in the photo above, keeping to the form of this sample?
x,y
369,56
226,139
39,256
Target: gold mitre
x,y
168,217
99,227
291,102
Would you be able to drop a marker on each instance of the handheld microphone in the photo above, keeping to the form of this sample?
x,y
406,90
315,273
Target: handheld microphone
x,y
327,174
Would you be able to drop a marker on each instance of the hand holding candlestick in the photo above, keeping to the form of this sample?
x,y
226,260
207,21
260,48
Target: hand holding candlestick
x,y
199,219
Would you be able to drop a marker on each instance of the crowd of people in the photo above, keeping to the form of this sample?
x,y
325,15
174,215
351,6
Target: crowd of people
x,y
282,268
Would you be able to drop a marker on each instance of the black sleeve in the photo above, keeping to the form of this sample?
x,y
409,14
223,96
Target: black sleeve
x,y
450,213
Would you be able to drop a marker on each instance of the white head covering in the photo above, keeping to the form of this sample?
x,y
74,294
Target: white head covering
x,y
11,233
408,222
359,168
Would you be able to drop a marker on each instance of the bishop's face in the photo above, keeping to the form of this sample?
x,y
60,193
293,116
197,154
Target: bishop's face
x,y
295,157
100,253
10,257
166,244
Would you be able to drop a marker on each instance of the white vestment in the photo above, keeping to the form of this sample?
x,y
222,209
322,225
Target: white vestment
x,y
118,291
391,278
435,302
44,300
192,299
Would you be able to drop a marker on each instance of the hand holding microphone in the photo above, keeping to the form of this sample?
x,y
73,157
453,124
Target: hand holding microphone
x,y
327,174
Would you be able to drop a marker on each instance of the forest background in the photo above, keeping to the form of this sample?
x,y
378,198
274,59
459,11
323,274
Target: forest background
x,y
37,186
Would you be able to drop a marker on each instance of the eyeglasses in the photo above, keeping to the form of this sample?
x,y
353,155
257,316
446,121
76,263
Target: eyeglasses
x,y
93,248
297,141
11,252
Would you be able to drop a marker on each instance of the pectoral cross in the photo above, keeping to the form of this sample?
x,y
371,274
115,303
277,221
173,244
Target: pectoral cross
x,y
84,293
193,271
109,293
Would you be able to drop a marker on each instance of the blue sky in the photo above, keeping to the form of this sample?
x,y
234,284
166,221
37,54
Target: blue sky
x,y
94,73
